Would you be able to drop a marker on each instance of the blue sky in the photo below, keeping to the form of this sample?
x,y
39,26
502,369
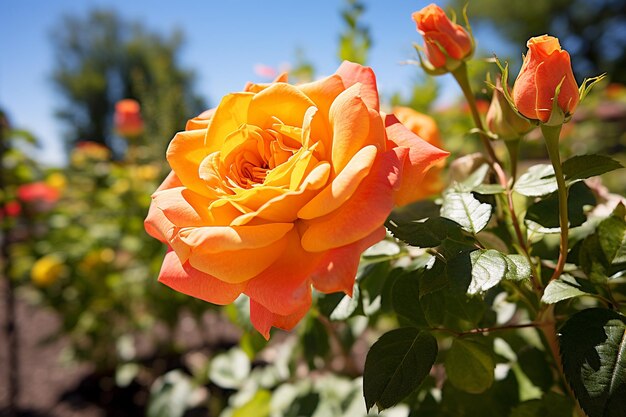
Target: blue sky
x,y
224,41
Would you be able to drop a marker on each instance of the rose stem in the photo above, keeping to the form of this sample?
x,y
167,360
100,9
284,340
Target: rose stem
x,y
551,135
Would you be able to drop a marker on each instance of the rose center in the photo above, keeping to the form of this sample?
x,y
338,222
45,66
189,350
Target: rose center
x,y
251,153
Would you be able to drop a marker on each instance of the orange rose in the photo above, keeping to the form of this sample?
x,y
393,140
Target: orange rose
x,y
545,66
281,188
426,128
127,119
447,43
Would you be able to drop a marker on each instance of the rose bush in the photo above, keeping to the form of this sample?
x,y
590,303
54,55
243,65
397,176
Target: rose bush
x,y
281,188
545,66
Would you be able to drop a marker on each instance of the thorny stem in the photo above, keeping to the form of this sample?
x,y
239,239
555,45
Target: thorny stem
x,y
486,329
460,75
548,329
551,135
513,147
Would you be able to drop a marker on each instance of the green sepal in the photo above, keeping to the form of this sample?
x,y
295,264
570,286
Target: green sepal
x,y
588,84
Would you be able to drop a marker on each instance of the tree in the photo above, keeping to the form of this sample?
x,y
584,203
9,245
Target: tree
x,y
355,41
592,31
102,58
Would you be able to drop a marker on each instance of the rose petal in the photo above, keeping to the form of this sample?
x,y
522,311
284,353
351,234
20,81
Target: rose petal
x,y
422,156
368,207
201,121
352,73
349,118
171,181
237,265
216,239
231,113
157,225
548,75
190,281
283,77
263,320
284,208
184,154
337,269
279,101
445,41
285,286
182,206
342,187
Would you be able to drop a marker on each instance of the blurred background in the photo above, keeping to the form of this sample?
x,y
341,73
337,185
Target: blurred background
x,y
91,93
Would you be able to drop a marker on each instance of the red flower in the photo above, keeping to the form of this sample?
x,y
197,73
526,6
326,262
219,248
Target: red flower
x,y
37,192
128,121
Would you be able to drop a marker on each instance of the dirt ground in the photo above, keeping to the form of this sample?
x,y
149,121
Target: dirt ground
x,y
49,388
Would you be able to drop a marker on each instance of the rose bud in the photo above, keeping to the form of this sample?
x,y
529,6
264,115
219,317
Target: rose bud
x,y
545,67
447,43
502,121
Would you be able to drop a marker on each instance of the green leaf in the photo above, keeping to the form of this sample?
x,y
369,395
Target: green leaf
x,y
434,308
489,189
603,253
396,365
466,210
426,234
581,167
534,364
169,394
539,180
546,211
405,299
474,180
550,405
518,268
612,234
488,268
593,349
469,365
433,279
496,401
230,369
258,406
420,210
347,306
563,288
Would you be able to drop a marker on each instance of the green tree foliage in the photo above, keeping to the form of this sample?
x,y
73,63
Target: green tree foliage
x,y
592,31
102,58
355,41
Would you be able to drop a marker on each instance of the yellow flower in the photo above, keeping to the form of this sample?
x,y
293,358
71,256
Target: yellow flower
x,y
57,180
47,270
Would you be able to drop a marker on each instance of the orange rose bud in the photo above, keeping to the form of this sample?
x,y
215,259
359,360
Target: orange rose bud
x,y
447,43
127,119
502,121
545,66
